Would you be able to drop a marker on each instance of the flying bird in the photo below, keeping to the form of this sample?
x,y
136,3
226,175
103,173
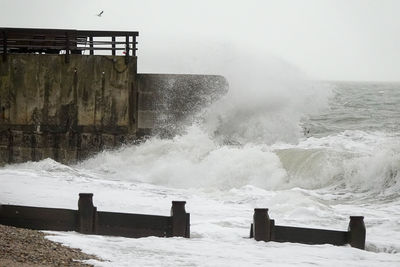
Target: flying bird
x,y
101,13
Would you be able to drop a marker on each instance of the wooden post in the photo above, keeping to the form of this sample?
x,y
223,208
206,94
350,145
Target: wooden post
x,y
91,45
261,225
126,49
5,45
357,232
180,223
86,213
113,45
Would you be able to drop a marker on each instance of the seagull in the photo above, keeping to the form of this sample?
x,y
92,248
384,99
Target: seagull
x,y
101,13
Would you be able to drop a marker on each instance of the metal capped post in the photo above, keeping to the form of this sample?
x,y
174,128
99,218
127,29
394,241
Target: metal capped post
x,y
261,225
357,232
180,219
86,213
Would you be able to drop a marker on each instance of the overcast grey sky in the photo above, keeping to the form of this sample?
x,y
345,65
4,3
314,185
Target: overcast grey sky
x,y
334,40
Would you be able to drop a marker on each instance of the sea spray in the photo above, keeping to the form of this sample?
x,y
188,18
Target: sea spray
x,y
228,144
192,160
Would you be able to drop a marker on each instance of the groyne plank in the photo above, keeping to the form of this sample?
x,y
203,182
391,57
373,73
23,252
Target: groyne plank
x,y
38,218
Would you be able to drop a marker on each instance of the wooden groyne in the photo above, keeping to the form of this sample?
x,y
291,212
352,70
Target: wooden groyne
x,y
87,220
264,229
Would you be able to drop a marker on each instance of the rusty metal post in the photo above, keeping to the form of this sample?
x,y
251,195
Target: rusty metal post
x,y
261,225
357,232
180,222
91,52
86,213
113,45
5,40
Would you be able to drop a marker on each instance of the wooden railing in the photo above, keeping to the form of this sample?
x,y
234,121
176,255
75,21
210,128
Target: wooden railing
x,y
264,229
56,41
88,220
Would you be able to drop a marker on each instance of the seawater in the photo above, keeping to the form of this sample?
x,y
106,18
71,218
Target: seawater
x,y
314,154
364,106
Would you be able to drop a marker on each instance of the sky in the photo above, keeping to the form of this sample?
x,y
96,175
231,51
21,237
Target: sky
x,y
355,40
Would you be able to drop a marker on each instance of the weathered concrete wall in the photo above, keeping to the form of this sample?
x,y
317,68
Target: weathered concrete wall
x,y
42,89
64,111
69,111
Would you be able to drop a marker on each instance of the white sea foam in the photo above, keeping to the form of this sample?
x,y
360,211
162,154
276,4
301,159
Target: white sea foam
x,y
192,160
355,161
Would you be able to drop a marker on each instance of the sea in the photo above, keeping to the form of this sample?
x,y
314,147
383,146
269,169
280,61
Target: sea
x,y
313,153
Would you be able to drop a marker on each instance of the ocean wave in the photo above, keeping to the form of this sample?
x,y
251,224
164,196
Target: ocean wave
x,y
356,160
352,160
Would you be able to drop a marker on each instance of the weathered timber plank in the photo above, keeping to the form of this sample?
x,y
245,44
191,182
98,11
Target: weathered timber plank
x,y
309,236
38,218
132,225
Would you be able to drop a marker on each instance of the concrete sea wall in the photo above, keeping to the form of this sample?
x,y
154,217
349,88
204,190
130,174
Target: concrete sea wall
x,y
69,111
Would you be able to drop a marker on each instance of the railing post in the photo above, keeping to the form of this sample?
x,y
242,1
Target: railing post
x,y
180,219
357,232
126,49
261,225
134,45
5,40
113,45
86,213
67,51
91,52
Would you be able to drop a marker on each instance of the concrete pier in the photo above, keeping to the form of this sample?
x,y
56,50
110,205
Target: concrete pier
x,y
68,111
